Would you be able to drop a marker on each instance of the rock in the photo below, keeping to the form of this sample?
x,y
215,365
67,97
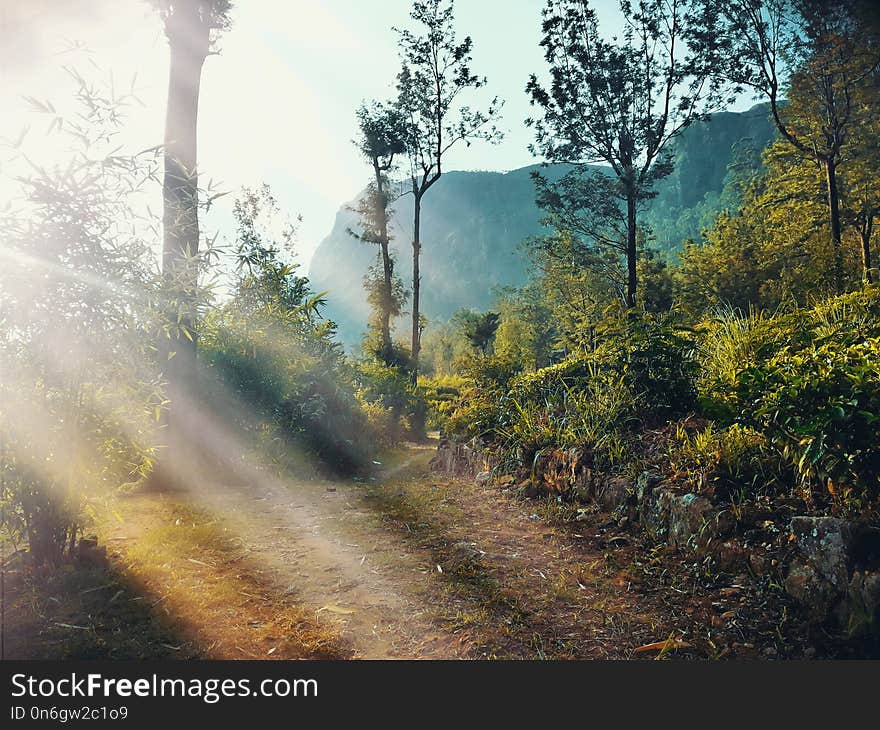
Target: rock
x,y
863,615
818,576
461,459
871,591
653,507
826,543
758,563
646,483
582,488
615,494
731,556
810,589
688,519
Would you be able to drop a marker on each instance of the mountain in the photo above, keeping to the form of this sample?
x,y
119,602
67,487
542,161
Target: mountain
x,y
688,200
473,225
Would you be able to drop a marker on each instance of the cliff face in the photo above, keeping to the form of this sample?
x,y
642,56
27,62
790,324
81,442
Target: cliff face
x,y
473,225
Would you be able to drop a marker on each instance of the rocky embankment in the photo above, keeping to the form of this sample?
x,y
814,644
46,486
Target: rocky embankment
x,y
829,566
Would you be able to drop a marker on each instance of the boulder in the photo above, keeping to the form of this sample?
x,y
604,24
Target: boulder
x,y
463,459
863,602
583,488
653,508
689,515
826,543
615,494
818,575
810,589
646,483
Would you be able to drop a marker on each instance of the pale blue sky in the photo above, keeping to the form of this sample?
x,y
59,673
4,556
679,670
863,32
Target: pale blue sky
x,y
278,103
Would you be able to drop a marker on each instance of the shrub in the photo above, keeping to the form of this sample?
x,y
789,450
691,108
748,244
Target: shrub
x,y
388,398
575,403
734,462
78,391
643,371
809,381
295,382
441,395
656,361
820,406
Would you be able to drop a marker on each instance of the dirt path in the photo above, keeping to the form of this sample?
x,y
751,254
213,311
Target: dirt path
x,y
316,541
408,565
411,565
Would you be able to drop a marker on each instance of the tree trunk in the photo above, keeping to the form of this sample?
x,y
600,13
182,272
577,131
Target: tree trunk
x,y
188,40
416,324
387,296
631,252
834,215
867,266
387,353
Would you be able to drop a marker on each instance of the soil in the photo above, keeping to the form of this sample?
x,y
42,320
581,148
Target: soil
x,y
406,565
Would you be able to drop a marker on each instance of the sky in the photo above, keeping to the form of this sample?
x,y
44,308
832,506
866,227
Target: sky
x,y
278,102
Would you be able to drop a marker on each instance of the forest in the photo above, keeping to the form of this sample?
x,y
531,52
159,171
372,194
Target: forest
x,y
621,403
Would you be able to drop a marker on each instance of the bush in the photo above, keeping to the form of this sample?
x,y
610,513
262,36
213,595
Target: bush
x,y
575,403
78,391
300,392
810,382
821,408
656,361
442,395
643,371
733,462
389,399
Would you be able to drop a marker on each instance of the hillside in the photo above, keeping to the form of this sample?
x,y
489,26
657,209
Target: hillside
x,y
473,224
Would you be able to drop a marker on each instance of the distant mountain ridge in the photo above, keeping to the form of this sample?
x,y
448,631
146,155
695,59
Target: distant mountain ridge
x,y
473,225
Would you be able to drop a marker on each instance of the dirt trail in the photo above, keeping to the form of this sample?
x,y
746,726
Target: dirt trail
x,y
310,541
408,565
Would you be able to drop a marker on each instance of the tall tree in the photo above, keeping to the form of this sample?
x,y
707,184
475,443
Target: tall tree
x,y
381,140
821,52
621,101
190,27
436,72
861,197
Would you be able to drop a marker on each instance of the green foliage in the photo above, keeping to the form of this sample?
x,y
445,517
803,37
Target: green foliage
x,y
577,402
734,462
271,349
810,382
79,307
715,161
442,395
389,399
478,329
774,251
642,372
656,360
526,331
